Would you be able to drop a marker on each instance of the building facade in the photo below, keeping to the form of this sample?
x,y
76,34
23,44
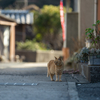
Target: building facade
x,y
7,37
24,20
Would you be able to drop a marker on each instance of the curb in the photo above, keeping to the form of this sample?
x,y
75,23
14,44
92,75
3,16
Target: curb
x,y
72,91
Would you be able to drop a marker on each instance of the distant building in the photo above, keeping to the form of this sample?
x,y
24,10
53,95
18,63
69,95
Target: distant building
x,y
15,25
7,37
24,21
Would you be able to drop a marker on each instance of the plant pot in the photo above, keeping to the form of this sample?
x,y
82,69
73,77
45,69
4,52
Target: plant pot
x,y
94,60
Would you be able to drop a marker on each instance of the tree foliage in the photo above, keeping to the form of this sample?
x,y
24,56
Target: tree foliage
x,y
47,26
48,21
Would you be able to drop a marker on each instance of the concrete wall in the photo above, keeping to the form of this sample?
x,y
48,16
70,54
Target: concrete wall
x,y
86,15
91,73
39,56
78,22
72,30
84,70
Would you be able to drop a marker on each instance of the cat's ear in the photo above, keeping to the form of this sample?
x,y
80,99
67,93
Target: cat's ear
x,y
60,58
55,58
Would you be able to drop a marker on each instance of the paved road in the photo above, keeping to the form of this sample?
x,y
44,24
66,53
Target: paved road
x,y
12,74
23,68
44,90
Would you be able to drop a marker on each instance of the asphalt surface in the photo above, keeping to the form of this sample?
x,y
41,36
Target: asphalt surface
x,y
14,76
44,90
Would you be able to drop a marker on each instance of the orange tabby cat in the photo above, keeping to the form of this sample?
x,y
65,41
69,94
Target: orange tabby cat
x,y
55,67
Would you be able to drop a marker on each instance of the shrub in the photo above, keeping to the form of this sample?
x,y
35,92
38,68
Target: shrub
x,y
31,45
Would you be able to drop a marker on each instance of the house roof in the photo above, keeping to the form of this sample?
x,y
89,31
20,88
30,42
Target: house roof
x,y
21,16
6,21
6,18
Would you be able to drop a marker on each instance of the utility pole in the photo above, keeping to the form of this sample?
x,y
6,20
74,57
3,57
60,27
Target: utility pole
x,y
67,5
25,3
67,10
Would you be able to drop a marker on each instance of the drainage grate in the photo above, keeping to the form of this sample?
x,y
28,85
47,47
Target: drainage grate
x,y
18,84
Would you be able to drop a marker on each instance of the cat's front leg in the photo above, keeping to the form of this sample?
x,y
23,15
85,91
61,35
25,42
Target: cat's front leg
x,y
56,77
60,78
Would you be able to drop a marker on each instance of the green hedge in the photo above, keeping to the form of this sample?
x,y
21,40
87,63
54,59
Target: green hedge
x,y
31,45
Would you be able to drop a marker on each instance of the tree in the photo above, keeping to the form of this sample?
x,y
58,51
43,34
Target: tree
x,y
47,26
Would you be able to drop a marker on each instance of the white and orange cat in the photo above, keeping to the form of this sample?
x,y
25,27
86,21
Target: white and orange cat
x,y
55,67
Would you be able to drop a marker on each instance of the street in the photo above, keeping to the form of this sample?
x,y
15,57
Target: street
x,y
44,90
28,81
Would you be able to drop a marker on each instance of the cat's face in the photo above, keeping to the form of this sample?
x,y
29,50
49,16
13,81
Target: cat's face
x,y
58,61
